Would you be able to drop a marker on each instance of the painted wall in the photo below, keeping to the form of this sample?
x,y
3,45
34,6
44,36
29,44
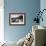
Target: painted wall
x,y
29,7
1,21
43,6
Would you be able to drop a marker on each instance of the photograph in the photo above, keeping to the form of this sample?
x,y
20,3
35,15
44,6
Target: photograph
x,y
17,18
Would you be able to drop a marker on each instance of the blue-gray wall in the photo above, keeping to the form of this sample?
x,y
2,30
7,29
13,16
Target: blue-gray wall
x,y
30,7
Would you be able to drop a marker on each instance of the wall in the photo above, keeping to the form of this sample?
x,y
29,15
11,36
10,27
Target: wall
x,y
1,21
29,7
43,6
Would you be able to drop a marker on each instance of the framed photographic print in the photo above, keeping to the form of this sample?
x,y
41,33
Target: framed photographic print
x,y
17,18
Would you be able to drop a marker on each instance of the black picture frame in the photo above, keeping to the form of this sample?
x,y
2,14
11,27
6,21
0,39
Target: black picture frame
x,y
17,19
